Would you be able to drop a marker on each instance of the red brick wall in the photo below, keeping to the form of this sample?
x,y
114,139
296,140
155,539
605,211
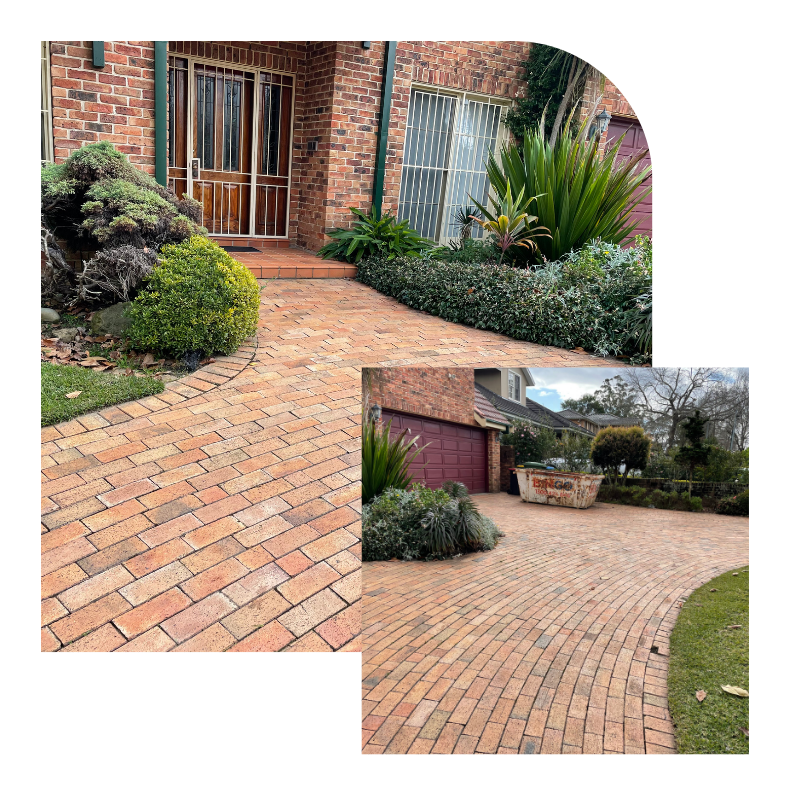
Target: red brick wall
x,y
612,100
114,104
445,393
493,476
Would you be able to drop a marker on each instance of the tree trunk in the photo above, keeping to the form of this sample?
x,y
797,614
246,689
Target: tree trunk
x,y
574,73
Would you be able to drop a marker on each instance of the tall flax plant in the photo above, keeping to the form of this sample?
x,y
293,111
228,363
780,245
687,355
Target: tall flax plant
x,y
384,460
578,193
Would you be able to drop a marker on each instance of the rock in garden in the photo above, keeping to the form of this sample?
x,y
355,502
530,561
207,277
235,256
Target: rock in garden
x,y
65,334
48,315
111,320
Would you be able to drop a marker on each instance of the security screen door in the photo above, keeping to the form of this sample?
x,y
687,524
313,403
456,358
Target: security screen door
x,y
448,139
230,136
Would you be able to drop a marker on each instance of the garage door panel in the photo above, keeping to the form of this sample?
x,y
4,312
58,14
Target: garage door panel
x,y
453,452
634,142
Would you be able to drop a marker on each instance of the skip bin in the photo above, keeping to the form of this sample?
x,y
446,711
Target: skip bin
x,y
570,489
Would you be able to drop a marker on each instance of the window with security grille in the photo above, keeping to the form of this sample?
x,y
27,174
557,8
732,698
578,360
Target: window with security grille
x,y
449,136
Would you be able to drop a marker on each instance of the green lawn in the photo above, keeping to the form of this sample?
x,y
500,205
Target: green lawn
x,y
705,654
98,390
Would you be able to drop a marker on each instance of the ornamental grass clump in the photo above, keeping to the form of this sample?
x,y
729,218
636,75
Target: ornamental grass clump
x,y
198,299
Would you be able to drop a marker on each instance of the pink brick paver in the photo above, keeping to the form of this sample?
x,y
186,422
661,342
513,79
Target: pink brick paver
x,y
228,518
557,641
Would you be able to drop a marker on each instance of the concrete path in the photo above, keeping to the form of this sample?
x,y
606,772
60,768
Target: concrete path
x,y
557,641
223,514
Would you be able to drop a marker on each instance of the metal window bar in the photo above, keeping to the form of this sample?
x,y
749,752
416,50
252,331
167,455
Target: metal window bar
x,y
47,106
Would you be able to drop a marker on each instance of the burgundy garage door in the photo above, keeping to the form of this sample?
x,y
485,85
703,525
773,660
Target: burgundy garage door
x,y
454,452
633,143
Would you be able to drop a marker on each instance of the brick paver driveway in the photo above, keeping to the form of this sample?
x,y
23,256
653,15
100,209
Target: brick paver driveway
x,y
223,514
554,642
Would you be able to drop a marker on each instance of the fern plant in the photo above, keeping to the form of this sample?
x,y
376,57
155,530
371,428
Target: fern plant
x,y
371,235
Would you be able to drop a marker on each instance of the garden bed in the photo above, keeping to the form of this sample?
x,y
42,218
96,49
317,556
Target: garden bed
x,y
589,301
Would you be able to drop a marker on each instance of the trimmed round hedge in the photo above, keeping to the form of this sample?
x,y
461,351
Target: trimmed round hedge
x,y
197,298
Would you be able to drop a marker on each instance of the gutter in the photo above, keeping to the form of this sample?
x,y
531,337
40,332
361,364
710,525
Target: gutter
x,y
489,423
383,129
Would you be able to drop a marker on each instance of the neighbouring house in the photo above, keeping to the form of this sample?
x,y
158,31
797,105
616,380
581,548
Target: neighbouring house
x,y
443,407
505,389
278,139
595,422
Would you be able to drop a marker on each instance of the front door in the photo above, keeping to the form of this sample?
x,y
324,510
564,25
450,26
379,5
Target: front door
x,y
230,145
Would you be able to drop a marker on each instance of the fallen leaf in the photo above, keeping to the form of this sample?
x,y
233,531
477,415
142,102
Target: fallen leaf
x,y
148,360
129,371
734,575
712,590
734,627
103,368
700,695
745,731
737,690
470,291
72,395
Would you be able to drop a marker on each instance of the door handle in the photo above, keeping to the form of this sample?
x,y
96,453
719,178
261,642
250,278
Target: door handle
x,y
195,168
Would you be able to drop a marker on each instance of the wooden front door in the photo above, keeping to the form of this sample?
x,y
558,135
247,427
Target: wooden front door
x,y
230,137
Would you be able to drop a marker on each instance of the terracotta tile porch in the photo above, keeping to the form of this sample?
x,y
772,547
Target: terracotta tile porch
x,y
277,259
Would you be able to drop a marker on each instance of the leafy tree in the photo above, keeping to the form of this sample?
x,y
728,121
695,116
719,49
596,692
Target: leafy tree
x,y
696,453
575,451
614,396
531,443
586,404
614,447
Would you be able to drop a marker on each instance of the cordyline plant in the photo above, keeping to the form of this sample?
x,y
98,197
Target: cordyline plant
x,y
578,194
384,460
510,225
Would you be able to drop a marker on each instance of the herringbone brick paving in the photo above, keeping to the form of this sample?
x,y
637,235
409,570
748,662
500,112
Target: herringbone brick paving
x,y
223,514
557,641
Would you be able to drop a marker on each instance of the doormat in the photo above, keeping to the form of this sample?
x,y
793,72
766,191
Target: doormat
x,y
236,249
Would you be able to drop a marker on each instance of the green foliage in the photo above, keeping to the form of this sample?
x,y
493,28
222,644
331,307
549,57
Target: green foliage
x,y
530,443
574,451
468,251
578,194
642,496
724,465
97,390
613,447
547,82
424,524
509,225
736,506
706,652
373,235
198,298
98,198
695,453
384,459
551,307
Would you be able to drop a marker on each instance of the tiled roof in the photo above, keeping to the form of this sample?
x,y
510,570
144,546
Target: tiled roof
x,y
487,410
613,419
568,413
531,411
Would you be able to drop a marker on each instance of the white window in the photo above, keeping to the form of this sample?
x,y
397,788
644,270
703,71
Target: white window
x,y
47,114
449,136
514,386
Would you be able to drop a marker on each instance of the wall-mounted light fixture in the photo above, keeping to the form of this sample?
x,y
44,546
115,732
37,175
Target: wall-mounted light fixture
x,y
366,45
600,124
375,413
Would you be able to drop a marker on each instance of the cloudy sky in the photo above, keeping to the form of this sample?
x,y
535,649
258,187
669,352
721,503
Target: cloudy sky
x,y
559,383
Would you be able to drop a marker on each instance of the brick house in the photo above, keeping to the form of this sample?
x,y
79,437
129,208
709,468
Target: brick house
x,y
445,409
278,139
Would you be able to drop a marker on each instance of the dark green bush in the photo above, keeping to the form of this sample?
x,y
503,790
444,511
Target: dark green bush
x,y
656,498
198,298
373,235
424,524
576,304
736,506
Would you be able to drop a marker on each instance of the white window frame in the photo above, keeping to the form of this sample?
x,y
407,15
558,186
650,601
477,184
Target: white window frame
x,y
446,205
515,378
47,104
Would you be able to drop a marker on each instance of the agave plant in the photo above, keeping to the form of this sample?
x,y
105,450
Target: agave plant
x,y
384,459
373,234
578,194
510,224
464,218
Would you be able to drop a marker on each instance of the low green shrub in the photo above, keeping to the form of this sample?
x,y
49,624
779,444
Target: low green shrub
x,y
197,298
736,506
468,251
574,304
655,498
373,235
424,524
